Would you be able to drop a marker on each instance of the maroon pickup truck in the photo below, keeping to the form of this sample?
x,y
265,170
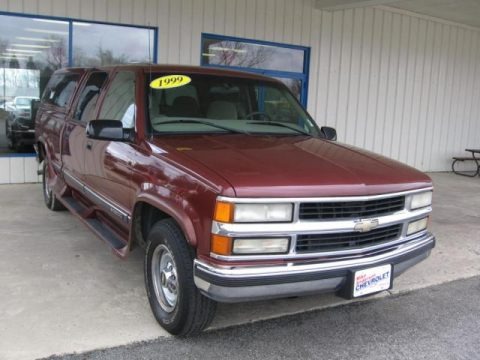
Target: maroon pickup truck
x,y
228,185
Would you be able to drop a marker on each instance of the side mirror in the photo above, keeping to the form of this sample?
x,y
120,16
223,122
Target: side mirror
x,y
111,130
329,133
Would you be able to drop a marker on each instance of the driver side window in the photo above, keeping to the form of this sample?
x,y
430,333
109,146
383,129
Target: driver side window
x,y
119,103
87,102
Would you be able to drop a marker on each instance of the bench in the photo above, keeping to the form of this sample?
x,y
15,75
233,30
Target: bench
x,y
467,158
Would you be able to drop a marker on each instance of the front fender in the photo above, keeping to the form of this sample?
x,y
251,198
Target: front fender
x,y
174,206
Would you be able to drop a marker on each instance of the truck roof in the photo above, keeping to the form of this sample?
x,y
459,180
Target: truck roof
x,y
208,70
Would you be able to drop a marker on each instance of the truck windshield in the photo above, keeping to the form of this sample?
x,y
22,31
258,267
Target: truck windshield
x,y
197,103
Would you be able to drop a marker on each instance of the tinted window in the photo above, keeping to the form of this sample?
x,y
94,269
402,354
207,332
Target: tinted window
x,y
119,103
60,89
88,98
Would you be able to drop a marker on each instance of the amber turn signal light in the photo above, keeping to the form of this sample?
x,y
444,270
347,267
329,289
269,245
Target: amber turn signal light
x,y
223,212
221,245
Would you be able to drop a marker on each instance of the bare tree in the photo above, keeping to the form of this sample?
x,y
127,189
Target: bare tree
x,y
234,53
56,55
101,57
106,57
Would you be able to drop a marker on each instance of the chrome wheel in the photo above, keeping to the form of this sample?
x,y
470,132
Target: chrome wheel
x,y
176,302
164,276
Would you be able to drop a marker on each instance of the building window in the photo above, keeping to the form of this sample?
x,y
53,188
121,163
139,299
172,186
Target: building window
x,y
33,47
93,45
287,63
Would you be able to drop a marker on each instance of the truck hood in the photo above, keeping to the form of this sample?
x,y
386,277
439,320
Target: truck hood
x,y
294,166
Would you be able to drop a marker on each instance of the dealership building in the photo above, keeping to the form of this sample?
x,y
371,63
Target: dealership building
x,y
399,78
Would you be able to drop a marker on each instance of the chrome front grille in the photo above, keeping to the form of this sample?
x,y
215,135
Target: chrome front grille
x,y
328,227
346,241
350,209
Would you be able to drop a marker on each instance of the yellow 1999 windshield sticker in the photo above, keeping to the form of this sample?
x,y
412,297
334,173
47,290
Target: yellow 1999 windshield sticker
x,y
170,81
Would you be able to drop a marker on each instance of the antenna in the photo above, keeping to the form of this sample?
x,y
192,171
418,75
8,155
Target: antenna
x,y
150,61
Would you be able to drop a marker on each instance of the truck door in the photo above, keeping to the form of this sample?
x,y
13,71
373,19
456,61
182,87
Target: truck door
x,y
108,163
53,114
74,138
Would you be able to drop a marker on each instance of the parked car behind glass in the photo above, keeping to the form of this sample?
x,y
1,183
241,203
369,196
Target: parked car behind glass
x,y
20,126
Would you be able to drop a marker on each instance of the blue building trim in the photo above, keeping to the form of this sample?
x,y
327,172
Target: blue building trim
x,y
70,43
17,155
253,41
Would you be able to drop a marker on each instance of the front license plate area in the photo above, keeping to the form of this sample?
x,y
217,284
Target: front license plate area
x,y
372,280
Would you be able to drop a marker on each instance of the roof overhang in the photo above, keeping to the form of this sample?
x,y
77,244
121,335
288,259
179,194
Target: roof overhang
x,y
466,12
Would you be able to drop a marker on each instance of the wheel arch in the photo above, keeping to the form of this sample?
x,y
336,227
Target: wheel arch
x,y
148,210
42,151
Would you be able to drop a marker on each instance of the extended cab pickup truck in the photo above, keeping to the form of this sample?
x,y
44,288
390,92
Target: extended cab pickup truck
x,y
228,185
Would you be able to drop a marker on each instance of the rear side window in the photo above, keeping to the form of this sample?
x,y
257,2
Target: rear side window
x,y
119,103
88,98
60,89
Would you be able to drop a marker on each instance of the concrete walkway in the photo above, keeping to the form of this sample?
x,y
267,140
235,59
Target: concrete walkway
x,y
61,290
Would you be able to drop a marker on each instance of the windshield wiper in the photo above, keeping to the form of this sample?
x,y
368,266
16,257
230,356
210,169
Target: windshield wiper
x,y
194,121
280,124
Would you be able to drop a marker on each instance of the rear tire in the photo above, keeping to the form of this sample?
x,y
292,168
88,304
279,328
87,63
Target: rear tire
x,y
49,196
11,144
176,303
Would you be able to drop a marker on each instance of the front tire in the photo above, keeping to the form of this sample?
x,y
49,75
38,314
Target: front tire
x,y
48,195
176,303
9,135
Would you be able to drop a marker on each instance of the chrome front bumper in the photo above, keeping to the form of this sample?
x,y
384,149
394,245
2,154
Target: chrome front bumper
x,y
246,283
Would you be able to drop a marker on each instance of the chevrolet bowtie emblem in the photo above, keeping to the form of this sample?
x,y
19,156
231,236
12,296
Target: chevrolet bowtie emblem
x,y
366,225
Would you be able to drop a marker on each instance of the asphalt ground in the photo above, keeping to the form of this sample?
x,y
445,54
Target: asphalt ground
x,y
438,322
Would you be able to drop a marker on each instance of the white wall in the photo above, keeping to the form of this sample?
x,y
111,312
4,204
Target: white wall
x,y
403,85
18,169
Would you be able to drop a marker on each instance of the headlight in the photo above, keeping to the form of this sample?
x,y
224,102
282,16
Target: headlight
x,y
262,213
417,226
253,213
421,200
224,245
260,246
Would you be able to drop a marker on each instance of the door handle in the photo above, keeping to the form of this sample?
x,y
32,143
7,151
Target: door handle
x,y
89,145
